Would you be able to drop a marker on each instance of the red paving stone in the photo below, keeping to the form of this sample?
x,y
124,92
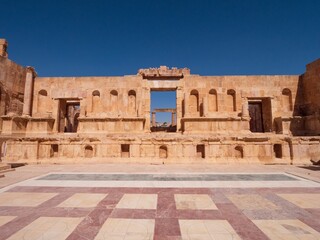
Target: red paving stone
x,y
166,215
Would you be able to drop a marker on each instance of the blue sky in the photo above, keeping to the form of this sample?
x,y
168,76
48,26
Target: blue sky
x,y
105,38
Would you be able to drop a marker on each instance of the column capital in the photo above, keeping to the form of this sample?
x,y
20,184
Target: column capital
x,y
31,70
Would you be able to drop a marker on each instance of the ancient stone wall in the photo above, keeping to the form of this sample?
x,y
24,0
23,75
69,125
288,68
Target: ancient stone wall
x,y
218,119
12,80
311,92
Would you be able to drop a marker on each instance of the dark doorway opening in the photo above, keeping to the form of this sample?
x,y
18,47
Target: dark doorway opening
x,y
201,151
125,150
256,119
68,115
54,151
277,149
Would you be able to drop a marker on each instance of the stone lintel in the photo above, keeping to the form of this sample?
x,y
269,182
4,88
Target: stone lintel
x,y
173,110
210,119
110,119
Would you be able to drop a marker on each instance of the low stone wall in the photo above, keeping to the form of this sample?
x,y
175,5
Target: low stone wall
x,y
165,149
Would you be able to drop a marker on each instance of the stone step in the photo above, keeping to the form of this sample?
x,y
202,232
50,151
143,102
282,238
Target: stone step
x,y
5,168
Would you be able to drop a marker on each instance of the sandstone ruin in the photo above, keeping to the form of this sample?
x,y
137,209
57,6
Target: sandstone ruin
x,y
217,119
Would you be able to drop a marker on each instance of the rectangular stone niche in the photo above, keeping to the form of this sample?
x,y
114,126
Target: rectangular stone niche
x,y
201,151
125,150
54,150
277,149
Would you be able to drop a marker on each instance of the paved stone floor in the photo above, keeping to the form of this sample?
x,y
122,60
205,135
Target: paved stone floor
x,y
160,202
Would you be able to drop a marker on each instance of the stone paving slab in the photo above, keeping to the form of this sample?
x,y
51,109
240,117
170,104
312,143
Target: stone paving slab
x,y
170,177
160,204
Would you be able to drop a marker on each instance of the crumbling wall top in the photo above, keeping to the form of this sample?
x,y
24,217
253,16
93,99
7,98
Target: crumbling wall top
x,y
164,71
3,48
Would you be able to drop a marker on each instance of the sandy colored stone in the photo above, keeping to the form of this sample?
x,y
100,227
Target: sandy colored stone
x,y
138,201
24,198
83,200
207,229
287,229
271,119
133,229
47,228
194,202
303,200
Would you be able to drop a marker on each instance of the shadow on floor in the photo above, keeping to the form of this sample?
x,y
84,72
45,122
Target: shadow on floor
x,y
313,168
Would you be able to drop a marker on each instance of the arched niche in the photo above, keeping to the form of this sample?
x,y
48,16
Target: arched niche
x,y
163,151
194,101
213,101
286,100
43,101
114,100
96,101
231,100
132,102
238,150
88,151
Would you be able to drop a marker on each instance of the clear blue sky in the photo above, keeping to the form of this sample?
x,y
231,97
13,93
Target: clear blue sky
x,y
103,38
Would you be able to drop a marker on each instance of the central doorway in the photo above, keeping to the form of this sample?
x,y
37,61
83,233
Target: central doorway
x,y
163,114
256,119
69,111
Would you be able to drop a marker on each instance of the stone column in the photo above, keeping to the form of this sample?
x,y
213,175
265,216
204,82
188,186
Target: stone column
x,y
204,107
153,119
83,107
245,109
28,91
179,107
2,107
186,105
173,118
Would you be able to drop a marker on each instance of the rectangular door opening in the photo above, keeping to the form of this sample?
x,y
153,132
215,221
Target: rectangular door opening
x,y
69,111
256,118
163,111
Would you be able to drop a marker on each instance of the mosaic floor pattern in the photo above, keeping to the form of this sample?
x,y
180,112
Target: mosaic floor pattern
x,y
92,211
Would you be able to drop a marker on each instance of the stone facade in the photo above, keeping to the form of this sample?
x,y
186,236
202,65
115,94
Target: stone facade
x,y
218,119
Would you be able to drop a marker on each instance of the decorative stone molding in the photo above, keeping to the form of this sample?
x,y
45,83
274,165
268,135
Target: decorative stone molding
x,y
164,72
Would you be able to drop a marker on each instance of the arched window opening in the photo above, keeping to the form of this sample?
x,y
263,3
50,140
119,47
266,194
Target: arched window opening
x,y
194,101
231,100
114,101
88,151
213,101
238,152
286,100
163,151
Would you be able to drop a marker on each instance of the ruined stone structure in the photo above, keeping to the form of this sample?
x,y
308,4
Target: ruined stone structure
x,y
267,119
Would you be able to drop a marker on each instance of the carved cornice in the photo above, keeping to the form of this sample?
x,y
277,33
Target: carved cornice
x,y
164,72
